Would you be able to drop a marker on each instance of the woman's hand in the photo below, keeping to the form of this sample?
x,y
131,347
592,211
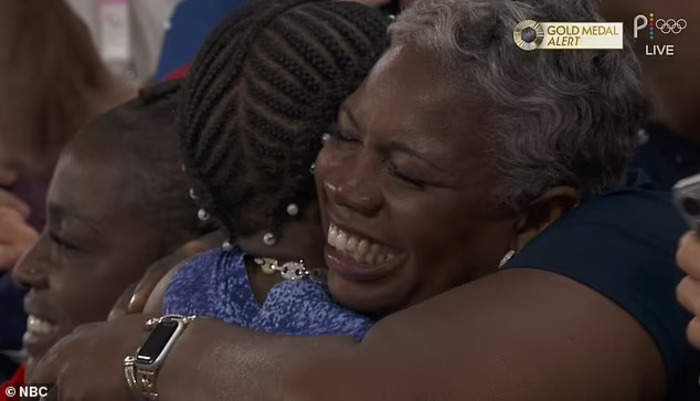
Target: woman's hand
x,y
151,288
16,236
88,364
688,291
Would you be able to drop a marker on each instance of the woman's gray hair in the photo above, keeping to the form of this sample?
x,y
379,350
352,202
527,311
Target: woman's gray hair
x,y
567,117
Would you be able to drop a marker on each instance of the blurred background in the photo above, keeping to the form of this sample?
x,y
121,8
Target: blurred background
x,y
128,33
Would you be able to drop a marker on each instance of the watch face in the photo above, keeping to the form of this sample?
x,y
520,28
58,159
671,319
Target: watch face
x,y
155,343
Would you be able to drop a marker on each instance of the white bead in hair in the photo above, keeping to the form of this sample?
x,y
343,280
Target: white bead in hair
x,y
203,215
183,168
193,195
292,209
227,246
325,138
269,239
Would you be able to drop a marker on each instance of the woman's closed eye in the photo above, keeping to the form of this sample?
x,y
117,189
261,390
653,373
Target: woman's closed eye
x,y
61,243
413,182
343,136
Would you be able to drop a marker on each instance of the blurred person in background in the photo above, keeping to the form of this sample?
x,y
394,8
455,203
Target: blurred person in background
x,y
670,143
127,33
688,290
191,23
53,82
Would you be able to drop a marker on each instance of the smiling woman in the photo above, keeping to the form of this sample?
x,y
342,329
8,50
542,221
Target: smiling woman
x,y
117,203
423,193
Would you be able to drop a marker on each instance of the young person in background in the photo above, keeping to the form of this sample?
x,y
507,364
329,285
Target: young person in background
x,y
95,243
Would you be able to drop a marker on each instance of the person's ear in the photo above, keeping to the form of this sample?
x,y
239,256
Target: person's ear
x,y
543,212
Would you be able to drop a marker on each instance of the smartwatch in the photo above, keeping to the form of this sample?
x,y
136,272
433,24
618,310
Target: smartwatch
x,y
141,370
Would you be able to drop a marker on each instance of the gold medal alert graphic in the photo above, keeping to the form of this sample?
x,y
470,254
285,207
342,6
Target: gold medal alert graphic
x,y
532,35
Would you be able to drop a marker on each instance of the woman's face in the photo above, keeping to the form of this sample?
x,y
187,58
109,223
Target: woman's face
x,y
93,246
407,187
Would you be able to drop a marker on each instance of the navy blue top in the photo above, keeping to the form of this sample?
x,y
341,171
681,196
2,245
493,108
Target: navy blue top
x,y
215,284
666,157
191,23
623,245
12,315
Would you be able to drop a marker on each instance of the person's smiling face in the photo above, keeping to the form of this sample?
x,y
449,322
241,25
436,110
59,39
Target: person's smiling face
x,y
407,188
94,245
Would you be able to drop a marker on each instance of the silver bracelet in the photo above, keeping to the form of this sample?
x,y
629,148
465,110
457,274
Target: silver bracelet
x,y
131,378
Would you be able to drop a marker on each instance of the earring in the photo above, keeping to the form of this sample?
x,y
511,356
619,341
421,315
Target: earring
x,y
312,168
227,246
203,215
269,239
506,258
193,195
292,209
325,138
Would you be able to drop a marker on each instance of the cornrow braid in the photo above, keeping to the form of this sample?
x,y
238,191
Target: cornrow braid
x,y
264,88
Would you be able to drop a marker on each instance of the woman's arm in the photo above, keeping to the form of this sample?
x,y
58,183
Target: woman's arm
x,y
516,335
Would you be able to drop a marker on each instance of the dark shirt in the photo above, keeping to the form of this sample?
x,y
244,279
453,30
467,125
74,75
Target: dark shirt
x,y
666,157
623,245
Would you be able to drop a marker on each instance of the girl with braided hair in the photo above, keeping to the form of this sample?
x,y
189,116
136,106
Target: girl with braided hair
x,y
262,92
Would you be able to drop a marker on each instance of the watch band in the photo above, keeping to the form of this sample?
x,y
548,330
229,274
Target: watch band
x,y
142,369
147,384
130,375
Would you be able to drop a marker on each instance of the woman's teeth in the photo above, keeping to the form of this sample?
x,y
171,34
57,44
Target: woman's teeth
x,y
38,326
362,250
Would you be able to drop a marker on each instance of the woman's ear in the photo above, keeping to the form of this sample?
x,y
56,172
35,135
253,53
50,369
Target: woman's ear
x,y
543,212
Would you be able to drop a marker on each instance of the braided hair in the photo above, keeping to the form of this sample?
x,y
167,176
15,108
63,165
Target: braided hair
x,y
262,91
144,129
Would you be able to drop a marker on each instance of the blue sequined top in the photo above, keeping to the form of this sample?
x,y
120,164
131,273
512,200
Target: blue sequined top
x,y
215,284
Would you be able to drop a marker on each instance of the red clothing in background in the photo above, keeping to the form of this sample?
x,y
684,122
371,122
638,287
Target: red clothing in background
x,y
15,382
181,73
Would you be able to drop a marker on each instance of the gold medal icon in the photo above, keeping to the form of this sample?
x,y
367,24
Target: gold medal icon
x,y
528,35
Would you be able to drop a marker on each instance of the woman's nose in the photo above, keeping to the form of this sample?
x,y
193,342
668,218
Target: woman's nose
x,y
350,189
30,271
